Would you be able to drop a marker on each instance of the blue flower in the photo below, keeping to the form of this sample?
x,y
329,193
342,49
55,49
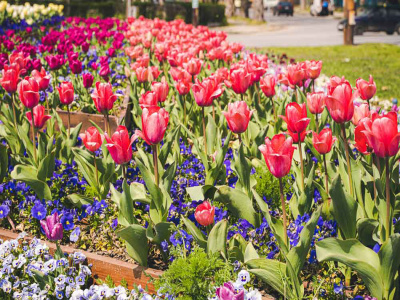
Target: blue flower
x,y
338,289
67,220
4,210
75,234
39,211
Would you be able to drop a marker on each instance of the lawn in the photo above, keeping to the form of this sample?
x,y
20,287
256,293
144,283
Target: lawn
x,y
380,60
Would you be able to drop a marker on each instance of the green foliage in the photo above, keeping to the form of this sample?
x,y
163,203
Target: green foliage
x,y
268,185
194,276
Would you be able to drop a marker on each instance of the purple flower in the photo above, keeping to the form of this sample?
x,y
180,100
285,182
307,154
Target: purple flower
x,y
52,227
227,292
75,234
39,211
4,210
67,220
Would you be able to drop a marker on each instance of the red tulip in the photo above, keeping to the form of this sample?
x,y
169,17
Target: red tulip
x,y
161,89
42,78
148,99
28,90
193,66
295,136
316,102
296,117
92,139
334,81
361,141
87,80
66,92
296,74
238,116
204,213
366,89
323,141
183,87
383,135
267,84
38,115
19,59
340,102
103,97
206,91
143,74
120,145
154,123
278,154
10,78
361,111
240,80
314,68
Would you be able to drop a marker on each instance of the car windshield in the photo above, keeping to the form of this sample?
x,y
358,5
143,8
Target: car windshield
x,y
365,12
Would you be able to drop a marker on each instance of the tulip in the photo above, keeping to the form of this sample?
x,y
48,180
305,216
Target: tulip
x,y
366,89
267,84
66,92
341,108
361,141
105,71
183,87
87,80
55,62
316,102
39,116
295,136
75,66
238,117
313,69
52,227
161,89
42,78
154,123
296,117
206,91
227,292
323,143
295,74
204,213
104,99
148,99
240,80
142,74
383,136
278,155
10,78
361,111
120,146
193,66
92,139
28,90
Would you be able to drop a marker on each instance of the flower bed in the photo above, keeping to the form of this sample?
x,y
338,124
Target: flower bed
x,y
204,183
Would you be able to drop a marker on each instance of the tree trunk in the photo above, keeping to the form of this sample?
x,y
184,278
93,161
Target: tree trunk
x,y
258,9
349,15
244,8
229,8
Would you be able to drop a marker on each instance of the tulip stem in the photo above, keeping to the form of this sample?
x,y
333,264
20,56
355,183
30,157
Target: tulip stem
x,y
326,176
316,122
283,204
387,199
373,177
184,109
155,162
240,138
273,108
204,130
213,112
108,122
95,168
301,163
346,147
124,171
47,102
33,135
69,122
13,108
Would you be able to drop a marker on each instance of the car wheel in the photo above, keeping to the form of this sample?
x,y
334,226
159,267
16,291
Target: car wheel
x,y
389,32
358,30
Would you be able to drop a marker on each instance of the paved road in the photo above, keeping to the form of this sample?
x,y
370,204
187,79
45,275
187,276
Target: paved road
x,y
299,30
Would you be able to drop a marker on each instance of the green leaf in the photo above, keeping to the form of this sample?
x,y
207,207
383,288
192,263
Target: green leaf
x,y
195,232
390,262
243,169
168,142
78,200
136,239
366,228
250,253
28,174
344,209
3,162
355,255
238,203
217,238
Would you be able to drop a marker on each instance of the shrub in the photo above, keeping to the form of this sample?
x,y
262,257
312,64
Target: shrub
x,y
195,276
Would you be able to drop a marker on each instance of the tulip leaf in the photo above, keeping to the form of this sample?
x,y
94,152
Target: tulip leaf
x,y
159,232
238,203
243,169
366,229
195,232
136,242
3,162
78,200
217,238
47,166
195,193
390,261
250,253
344,209
211,133
357,256
169,175
28,174
305,201
167,146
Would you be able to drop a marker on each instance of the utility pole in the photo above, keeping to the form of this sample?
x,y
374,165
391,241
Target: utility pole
x,y
349,14
195,12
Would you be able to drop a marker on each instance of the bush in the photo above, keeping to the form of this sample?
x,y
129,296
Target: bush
x,y
209,13
195,276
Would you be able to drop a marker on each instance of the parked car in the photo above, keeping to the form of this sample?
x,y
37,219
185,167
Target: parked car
x,y
283,7
376,19
270,4
322,8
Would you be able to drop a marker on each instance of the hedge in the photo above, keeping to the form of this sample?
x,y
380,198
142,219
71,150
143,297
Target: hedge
x,y
209,13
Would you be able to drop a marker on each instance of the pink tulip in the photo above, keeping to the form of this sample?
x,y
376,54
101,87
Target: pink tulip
x,y
154,123
238,116
361,111
66,92
92,139
204,213
103,97
366,89
206,91
267,85
28,90
39,116
316,102
52,227
120,145
340,102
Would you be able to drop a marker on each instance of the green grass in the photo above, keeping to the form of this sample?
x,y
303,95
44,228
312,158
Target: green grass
x,y
382,61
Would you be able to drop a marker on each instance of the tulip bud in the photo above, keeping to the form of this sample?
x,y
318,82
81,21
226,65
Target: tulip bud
x,y
267,84
238,116
92,139
340,101
66,92
154,123
28,91
10,78
316,102
161,89
87,80
42,78
120,145
52,227
240,80
39,116
296,117
206,91
103,97
204,213
323,141
366,89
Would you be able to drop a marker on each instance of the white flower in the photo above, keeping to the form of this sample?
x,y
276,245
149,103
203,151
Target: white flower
x,y
253,295
243,277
